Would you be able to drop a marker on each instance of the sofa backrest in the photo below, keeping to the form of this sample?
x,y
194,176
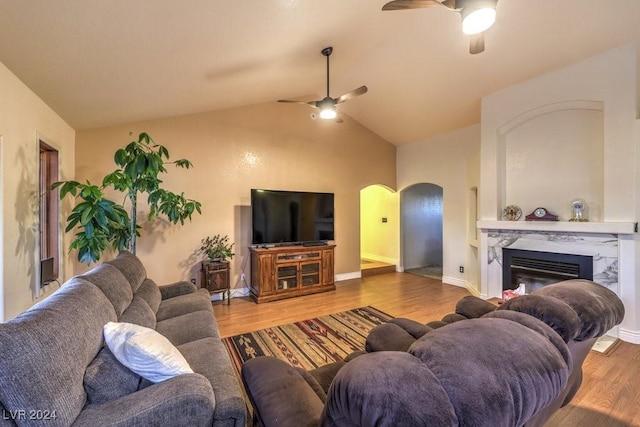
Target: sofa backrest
x,y
113,284
132,268
598,308
44,351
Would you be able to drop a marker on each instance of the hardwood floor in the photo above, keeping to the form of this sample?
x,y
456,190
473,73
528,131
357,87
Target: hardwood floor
x,y
610,392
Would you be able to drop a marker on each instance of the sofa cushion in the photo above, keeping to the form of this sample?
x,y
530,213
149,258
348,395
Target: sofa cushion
x,y
145,351
45,351
538,326
487,375
209,357
106,379
189,327
132,268
388,336
387,388
150,292
113,284
183,304
473,307
415,329
599,308
552,311
139,313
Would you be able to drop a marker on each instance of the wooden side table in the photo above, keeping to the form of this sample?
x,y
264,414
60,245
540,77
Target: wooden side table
x,y
215,278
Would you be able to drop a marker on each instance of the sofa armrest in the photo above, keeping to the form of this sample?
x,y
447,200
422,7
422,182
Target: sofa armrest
x,y
388,337
186,400
279,394
177,289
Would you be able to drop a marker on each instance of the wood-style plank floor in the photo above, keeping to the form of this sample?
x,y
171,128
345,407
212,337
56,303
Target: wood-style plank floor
x,y
610,392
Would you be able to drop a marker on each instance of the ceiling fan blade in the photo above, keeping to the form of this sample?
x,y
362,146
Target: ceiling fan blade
x,y
349,95
290,101
410,4
477,43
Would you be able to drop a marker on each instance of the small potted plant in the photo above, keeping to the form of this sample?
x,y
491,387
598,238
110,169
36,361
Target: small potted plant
x,y
217,248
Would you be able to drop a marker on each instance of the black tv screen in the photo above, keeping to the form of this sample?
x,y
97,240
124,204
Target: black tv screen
x,y
280,217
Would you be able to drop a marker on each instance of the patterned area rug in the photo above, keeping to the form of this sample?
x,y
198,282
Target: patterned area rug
x,y
310,343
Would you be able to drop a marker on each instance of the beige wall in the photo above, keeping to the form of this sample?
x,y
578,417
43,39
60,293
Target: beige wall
x,y
380,241
443,160
23,118
271,146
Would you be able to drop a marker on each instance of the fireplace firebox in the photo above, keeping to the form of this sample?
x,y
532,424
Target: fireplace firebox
x,y
536,269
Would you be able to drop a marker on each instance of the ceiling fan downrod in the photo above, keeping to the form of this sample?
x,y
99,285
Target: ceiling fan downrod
x,y
327,52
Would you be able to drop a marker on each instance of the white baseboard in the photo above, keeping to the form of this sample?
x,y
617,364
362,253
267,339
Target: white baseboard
x,y
462,284
630,336
379,258
348,276
454,281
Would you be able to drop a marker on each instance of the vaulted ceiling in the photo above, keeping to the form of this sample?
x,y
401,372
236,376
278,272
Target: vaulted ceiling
x,y
104,62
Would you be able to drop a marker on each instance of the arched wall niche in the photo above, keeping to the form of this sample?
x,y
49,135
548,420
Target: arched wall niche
x,y
552,155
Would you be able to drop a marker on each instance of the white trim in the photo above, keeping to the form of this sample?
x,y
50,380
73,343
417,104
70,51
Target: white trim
x,y
473,290
348,276
560,226
630,336
38,291
454,281
547,109
379,258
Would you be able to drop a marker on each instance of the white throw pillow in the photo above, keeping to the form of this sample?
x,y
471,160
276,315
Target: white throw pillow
x,y
145,351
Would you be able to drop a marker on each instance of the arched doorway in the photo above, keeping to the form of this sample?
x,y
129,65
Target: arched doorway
x,y
379,230
421,210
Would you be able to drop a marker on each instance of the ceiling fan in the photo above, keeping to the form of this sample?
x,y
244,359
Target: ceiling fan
x,y
327,105
477,15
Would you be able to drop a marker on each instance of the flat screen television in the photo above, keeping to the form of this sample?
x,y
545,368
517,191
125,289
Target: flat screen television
x,y
291,217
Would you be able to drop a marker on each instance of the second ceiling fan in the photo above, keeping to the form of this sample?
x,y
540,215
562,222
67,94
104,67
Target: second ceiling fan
x,y
477,15
327,105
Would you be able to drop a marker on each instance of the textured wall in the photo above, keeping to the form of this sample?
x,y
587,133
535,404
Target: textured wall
x,y
23,119
272,146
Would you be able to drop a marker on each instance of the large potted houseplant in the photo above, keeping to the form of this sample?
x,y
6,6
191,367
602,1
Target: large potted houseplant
x,y
102,223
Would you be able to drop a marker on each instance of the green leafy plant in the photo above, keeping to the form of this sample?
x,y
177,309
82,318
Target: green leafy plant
x,y
217,248
102,222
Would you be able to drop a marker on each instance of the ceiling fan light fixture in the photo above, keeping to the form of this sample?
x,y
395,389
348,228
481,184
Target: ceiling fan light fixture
x,y
328,113
478,16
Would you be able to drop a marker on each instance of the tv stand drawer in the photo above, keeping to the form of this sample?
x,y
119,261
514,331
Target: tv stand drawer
x,y
298,256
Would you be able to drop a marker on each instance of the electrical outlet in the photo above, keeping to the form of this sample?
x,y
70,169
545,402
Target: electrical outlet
x,y
193,280
461,269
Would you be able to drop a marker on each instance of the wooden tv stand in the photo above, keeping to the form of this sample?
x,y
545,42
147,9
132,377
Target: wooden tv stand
x,y
290,271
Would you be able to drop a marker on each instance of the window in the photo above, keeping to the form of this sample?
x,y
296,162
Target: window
x,y
49,224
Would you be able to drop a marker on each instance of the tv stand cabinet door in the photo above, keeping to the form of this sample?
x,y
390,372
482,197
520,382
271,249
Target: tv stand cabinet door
x,y
263,281
327,267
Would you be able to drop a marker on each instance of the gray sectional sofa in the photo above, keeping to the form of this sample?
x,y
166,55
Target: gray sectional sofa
x,y
56,370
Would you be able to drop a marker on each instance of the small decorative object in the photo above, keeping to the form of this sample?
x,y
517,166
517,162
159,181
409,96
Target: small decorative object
x,y
511,213
579,211
512,293
541,214
216,248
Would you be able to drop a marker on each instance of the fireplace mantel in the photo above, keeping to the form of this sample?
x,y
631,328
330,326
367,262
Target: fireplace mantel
x,y
561,226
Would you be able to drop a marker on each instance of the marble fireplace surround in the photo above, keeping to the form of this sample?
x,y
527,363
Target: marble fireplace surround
x,y
605,242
